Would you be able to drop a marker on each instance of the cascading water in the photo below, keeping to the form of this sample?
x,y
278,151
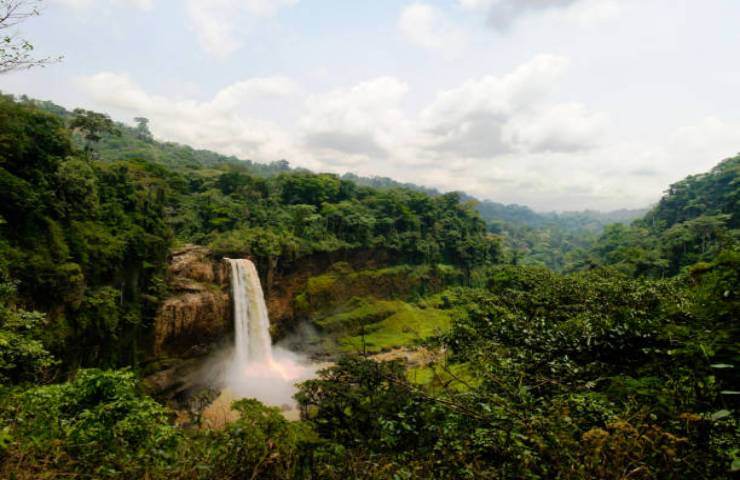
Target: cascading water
x,y
256,369
251,322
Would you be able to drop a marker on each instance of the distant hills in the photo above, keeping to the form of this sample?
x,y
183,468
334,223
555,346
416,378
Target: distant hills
x,y
132,144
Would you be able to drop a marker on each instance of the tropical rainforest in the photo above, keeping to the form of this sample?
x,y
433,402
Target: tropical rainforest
x,y
464,339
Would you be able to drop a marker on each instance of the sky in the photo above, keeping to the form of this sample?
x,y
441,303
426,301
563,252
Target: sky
x,y
553,104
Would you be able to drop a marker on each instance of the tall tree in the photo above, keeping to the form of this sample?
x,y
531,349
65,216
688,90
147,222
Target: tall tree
x,y
142,129
92,125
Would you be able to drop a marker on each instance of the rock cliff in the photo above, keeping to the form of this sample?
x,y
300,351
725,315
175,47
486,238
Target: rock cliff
x,y
198,313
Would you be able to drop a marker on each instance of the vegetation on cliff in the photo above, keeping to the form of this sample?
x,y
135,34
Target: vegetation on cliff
x,y
86,231
624,368
698,218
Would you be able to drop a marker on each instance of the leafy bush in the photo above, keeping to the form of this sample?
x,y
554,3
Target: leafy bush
x,y
23,356
260,444
98,425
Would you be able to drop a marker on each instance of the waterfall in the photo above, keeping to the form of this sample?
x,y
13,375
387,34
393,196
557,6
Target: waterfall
x,y
256,370
253,344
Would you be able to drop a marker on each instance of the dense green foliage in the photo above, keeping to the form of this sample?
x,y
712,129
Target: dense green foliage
x,y
86,232
100,425
558,241
273,212
23,356
583,376
696,219
85,241
512,371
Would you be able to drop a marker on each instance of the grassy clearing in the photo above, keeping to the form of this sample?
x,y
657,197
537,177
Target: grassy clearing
x,y
328,293
454,377
373,310
403,328
359,312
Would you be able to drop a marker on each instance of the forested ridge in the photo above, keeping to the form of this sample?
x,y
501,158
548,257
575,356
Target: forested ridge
x,y
87,231
696,219
553,346
555,240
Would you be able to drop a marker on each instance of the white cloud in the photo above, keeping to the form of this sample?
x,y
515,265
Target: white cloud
x,y
508,137
471,137
614,130
566,127
501,14
688,147
527,84
477,4
364,121
77,4
140,4
428,27
221,25
223,123
592,12
86,4
245,91
709,132
492,116
259,8
264,8
477,137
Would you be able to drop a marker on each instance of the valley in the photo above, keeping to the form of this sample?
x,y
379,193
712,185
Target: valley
x,y
173,313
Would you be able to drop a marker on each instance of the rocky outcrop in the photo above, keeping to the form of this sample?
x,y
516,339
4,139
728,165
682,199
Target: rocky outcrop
x,y
196,319
198,313
196,263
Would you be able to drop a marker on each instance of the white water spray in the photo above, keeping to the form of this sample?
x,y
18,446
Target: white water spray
x,y
256,369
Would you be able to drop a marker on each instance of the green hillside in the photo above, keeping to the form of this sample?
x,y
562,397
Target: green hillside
x,y
86,233
695,220
452,346
554,240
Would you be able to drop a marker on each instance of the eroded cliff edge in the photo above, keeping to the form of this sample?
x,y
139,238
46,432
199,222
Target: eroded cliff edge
x,y
197,314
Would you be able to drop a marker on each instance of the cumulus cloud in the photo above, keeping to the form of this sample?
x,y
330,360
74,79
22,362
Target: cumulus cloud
x,y
78,4
264,8
485,136
501,14
223,123
240,93
566,127
428,27
592,12
722,138
220,25
491,116
141,4
364,120
507,137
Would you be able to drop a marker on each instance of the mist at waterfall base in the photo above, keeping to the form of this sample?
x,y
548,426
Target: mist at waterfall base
x,y
272,383
254,368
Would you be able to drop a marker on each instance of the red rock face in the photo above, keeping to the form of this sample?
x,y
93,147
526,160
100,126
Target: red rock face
x,y
198,313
